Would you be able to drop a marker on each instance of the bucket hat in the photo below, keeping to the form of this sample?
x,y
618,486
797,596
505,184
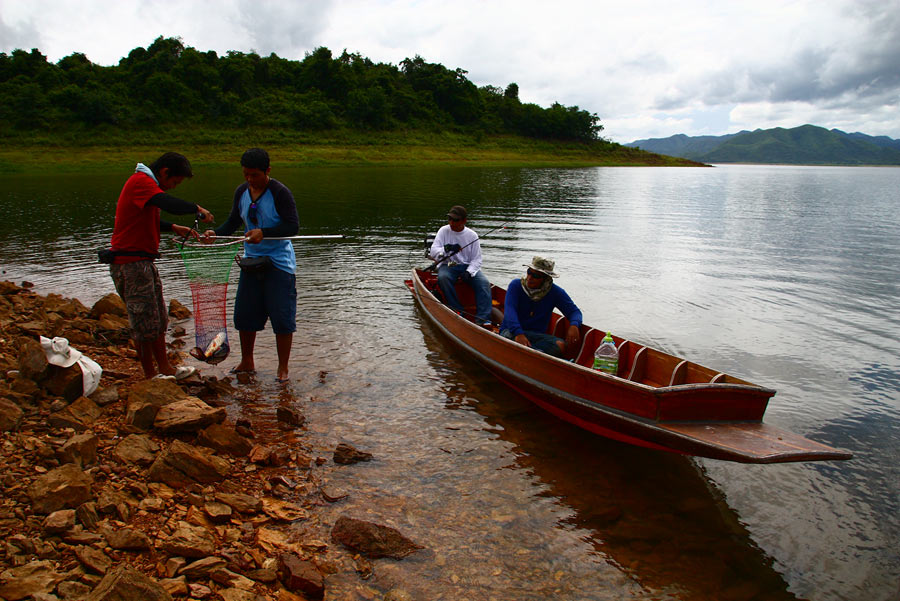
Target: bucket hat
x,y
543,265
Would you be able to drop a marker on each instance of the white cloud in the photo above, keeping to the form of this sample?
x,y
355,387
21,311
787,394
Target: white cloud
x,y
647,68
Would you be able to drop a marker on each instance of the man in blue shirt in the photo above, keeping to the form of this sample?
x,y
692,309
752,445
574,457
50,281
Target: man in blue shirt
x,y
529,303
266,209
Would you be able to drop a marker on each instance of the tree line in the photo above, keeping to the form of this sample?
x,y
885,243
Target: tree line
x,y
168,83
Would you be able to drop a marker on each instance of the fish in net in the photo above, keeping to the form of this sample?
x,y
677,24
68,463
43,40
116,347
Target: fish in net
x,y
208,267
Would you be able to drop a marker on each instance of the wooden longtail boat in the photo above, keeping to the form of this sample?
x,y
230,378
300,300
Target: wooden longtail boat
x,y
655,400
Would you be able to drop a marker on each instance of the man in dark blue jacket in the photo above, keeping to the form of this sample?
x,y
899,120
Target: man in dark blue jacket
x,y
529,303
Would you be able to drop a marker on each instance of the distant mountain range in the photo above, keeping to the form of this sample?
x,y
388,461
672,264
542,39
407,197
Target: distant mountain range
x,y
804,145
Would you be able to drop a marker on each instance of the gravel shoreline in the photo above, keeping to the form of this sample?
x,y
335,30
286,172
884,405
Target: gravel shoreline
x,y
144,490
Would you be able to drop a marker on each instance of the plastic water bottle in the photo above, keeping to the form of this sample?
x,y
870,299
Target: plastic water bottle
x,y
606,357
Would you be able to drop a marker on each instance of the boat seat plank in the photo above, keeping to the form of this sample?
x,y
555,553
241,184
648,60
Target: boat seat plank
x,y
755,442
561,327
698,374
678,374
660,367
638,365
554,318
592,339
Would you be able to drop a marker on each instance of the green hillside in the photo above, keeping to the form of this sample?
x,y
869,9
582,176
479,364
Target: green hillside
x,y
168,83
681,145
323,109
804,145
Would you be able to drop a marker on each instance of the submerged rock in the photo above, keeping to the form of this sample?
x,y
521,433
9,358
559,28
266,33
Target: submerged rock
x,y
346,454
371,539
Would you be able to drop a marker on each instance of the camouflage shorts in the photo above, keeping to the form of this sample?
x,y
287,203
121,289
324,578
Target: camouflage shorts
x,y
139,286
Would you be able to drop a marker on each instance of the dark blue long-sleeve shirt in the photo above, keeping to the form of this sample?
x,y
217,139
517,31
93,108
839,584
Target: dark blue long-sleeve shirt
x,y
520,313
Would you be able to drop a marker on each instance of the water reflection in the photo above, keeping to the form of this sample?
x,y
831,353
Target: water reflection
x,y
653,515
788,277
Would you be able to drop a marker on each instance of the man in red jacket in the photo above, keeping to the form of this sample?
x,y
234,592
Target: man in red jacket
x,y
135,245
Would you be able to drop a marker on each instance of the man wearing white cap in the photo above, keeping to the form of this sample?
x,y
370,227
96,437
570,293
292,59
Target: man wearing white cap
x,y
457,249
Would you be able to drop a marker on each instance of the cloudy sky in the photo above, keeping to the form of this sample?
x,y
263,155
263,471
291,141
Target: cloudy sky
x,y
647,68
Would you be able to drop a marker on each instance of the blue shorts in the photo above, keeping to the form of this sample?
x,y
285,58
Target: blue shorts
x,y
269,295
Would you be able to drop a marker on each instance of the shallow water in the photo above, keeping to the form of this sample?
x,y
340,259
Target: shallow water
x,y
784,276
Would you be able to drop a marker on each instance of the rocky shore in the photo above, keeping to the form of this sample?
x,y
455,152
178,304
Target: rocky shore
x,y
143,490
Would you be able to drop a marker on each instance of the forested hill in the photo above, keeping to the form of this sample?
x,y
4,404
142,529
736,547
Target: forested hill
x,y
804,145
168,83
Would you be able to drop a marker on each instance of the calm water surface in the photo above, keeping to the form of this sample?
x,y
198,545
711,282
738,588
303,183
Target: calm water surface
x,y
784,276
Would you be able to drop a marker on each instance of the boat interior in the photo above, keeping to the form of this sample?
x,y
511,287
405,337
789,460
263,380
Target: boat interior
x,y
637,362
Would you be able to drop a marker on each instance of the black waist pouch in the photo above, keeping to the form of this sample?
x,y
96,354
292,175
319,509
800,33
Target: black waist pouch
x,y
107,255
254,264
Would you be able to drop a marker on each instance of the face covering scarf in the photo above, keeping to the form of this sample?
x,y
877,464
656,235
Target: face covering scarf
x,y
540,292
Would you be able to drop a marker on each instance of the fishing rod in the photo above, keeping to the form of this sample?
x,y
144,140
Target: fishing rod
x,y
308,237
239,239
434,265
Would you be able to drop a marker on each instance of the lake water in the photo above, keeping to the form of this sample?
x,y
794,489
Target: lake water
x,y
788,277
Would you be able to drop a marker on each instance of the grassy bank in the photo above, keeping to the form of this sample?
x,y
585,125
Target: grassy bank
x,y
98,150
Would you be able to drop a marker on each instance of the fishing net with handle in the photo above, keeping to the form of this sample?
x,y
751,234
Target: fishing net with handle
x,y
208,267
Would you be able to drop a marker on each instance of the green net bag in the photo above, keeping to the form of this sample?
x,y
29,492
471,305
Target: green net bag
x,y
208,268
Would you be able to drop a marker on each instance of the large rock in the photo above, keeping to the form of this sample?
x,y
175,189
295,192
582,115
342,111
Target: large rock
x,y
127,584
240,502
59,522
225,439
227,578
182,464
177,310
189,541
33,364
31,579
69,308
10,415
187,415
93,559
65,486
299,575
202,567
238,594
111,304
127,539
113,323
79,415
372,540
136,448
87,515
147,397
81,450
105,396
67,382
